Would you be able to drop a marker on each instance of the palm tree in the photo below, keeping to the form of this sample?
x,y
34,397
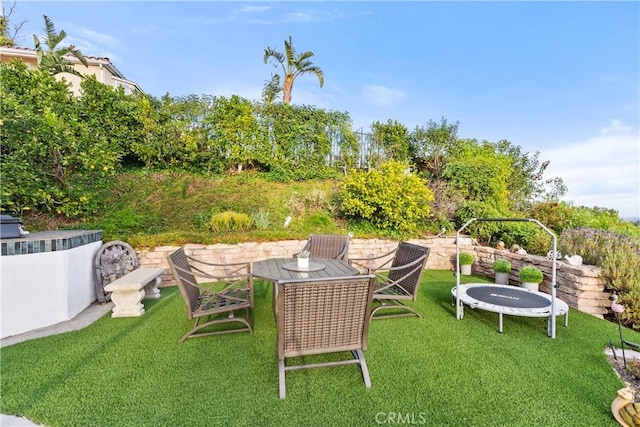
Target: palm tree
x,y
295,66
54,59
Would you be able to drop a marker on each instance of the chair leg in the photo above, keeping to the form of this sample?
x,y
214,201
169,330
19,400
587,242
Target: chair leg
x,y
198,326
281,371
363,365
394,305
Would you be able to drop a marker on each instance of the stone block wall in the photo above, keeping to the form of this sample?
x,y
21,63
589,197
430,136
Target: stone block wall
x,y
579,286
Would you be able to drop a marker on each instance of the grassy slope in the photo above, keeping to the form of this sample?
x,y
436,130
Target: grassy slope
x,y
148,208
132,371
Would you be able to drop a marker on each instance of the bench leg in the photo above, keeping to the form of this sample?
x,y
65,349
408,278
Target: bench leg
x,y
127,303
151,290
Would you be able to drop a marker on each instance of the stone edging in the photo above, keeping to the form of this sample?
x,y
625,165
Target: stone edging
x,y
579,286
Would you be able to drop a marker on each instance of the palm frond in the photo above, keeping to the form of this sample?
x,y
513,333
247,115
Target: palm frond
x,y
290,51
76,53
50,29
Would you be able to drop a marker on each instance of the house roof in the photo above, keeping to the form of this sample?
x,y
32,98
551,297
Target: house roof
x,y
93,60
29,54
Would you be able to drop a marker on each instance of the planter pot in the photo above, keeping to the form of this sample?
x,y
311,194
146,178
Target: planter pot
x,y
502,278
530,286
623,408
303,262
465,270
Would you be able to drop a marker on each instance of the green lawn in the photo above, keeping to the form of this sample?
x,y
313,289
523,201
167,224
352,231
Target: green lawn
x,y
435,371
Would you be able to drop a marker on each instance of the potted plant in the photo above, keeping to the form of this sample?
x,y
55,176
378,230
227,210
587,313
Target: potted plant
x,y
531,277
465,259
502,267
303,259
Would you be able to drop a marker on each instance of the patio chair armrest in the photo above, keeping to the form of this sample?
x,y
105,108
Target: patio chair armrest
x,y
361,262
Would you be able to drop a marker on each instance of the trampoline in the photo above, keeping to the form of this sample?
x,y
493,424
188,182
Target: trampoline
x,y
506,299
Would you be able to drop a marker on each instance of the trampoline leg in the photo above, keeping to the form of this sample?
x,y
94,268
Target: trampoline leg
x,y
500,322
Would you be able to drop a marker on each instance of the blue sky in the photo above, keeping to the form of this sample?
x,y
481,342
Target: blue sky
x,y
562,78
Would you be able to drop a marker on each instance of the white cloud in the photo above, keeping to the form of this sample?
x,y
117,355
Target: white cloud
x,y
298,17
602,171
100,38
617,126
382,95
254,9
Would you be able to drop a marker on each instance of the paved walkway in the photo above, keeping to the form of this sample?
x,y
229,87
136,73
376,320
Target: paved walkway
x,y
82,320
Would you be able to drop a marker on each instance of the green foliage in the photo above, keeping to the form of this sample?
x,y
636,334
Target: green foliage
x,y
479,173
530,274
261,219
393,137
54,59
431,148
227,221
466,258
557,216
52,160
388,198
619,258
501,265
526,183
234,131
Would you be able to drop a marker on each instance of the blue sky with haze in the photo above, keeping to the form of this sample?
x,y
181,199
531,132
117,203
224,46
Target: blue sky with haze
x,y
562,78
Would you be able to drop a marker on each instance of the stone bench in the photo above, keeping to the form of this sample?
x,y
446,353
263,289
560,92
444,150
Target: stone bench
x,y
128,291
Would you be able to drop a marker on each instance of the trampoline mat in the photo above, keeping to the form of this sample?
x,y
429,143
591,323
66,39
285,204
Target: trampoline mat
x,y
515,298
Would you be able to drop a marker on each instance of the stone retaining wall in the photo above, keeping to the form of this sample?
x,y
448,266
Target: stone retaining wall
x,y
579,286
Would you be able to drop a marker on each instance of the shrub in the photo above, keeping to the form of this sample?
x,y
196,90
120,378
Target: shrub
x,y
230,221
619,258
389,197
501,265
261,219
530,274
466,258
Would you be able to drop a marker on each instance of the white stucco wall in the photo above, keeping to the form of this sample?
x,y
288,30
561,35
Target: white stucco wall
x,y
42,289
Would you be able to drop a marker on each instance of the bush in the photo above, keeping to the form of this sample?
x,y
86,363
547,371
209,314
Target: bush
x,y
466,258
502,265
529,274
389,198
261,219
619,258
230,221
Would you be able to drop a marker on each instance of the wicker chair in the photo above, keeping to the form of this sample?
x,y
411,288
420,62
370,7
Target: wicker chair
x,y
398,281
317,316
112,261
231,292
327,246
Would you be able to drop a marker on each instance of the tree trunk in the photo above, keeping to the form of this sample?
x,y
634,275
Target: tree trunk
x,y
287,87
